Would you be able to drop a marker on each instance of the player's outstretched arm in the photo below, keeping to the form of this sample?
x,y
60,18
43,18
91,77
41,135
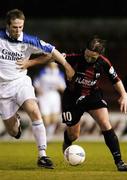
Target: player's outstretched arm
x,y
123,96
45,58
26,63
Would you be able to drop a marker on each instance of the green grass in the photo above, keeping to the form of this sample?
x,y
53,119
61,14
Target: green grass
x,y
18,162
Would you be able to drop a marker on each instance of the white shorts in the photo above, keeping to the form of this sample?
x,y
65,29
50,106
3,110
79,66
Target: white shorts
x,y
13,94
50,103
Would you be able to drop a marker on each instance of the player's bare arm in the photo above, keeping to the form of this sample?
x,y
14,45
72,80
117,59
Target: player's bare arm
x,y
61,59
45,58
123,96
25,63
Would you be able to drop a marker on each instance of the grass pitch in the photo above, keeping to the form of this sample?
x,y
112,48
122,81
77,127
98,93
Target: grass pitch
x,y
18,162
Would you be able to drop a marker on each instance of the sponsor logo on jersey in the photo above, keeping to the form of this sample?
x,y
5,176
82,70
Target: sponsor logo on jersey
x,y
85,82
80,98
97,75
10,55
104,101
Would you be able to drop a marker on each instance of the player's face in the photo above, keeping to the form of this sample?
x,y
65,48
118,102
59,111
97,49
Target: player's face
x,y
15,28
91,56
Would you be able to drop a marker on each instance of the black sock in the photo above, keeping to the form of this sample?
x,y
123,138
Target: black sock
x,y
112,142
66,138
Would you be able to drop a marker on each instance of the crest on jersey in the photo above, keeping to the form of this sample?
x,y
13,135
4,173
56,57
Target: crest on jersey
x,y
111,70
23,47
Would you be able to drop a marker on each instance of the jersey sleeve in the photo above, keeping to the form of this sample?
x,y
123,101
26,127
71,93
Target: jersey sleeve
x,y
37,46
110,71
42,47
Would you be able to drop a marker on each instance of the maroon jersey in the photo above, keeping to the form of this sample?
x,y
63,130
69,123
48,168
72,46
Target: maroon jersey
x,y
87,76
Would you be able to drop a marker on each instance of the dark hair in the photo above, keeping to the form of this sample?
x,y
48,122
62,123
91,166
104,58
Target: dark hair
x,y
96,44
14,14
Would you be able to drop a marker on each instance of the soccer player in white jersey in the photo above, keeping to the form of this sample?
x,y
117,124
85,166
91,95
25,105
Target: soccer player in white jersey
x,y
49,85
16,89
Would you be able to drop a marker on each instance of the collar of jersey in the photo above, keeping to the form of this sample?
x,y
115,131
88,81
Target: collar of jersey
x,y
20,38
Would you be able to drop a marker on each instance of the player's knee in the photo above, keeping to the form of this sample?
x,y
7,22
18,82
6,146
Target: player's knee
x,y
35,114
105,126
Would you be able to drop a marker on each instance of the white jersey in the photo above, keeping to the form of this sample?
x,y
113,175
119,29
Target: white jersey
x,y
50,80
12,50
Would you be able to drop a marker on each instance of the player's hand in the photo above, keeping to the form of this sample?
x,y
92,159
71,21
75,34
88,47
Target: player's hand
x,y
123,103
23,64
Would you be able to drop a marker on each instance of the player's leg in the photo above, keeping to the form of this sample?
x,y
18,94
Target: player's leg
x,y
26,98
49,107
13,126
8,111
55,111
51,126
38,128
102,118
71,115
70,135
71,118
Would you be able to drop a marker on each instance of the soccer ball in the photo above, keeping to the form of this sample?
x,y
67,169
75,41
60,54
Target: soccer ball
x,y
74,155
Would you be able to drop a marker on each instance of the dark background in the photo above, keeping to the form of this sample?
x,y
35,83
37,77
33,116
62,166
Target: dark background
x,y
68,24
67,8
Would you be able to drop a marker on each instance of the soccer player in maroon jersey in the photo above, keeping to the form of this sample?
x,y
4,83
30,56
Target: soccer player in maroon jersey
x,y
83,94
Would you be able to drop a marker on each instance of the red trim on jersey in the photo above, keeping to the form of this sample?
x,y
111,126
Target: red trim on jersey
x,y
72,55
105,59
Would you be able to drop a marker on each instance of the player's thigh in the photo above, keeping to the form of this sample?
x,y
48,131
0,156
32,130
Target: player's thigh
x,y
101,116
25,91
